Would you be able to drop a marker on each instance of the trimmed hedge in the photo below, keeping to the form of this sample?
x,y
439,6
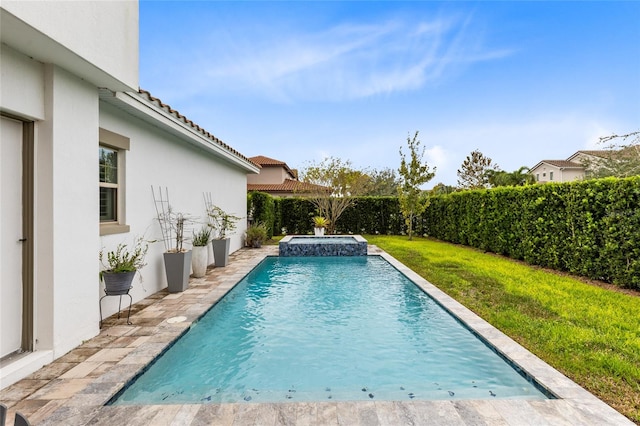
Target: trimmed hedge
x,y
589,228
261,206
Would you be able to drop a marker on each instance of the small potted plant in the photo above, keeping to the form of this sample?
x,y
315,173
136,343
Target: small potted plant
x,y
121,266
199,253
221,223
256,234
319,225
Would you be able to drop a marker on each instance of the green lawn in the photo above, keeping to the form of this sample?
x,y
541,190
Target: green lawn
x,y
589,333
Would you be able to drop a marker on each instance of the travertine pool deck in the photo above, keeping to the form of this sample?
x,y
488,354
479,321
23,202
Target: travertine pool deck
x,y
72,390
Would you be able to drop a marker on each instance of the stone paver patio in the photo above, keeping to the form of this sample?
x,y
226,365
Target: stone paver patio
x,y
73,389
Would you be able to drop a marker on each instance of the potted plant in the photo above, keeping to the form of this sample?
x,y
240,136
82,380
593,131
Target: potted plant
x,y
177,259
256,234
121,266
319,225
199,253
221,223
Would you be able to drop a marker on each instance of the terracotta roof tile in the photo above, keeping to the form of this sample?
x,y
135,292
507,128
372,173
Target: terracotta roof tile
x,y
193,125
289,185
563,163
266,161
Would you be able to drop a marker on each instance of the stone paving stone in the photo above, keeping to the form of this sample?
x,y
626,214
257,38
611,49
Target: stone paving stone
x,y
286,414
60,389
306,414
79,354
81,370
518,412
469,414
21,389
110,354
347,413
51,371
327,413
215,414
387,413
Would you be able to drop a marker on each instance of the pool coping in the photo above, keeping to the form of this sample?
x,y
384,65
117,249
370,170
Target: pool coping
x,y
73,389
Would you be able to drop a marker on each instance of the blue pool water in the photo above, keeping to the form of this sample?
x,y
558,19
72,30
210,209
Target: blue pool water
x,y
326,328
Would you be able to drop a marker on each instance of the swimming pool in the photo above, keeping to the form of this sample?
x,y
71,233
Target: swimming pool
x,y
323,328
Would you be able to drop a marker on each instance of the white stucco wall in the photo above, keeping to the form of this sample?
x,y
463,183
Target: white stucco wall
x,y
66,209
268,174
158,159
84,37
21,84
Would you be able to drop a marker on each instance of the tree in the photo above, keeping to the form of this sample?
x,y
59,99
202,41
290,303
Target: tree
x,y
442,189
383,182
519,177
621,158
413,174
336,186
475,170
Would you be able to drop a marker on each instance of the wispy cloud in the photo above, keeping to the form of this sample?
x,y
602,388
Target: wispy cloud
x,y
342,62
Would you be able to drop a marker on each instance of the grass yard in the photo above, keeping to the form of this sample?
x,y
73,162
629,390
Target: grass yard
x,y
589,333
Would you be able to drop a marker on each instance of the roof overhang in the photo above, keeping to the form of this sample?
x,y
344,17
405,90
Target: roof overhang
x,y
22,37
137,106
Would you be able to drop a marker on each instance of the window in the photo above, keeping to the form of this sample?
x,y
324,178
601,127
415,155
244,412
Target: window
x,y
111,173
550,175
537,177
108,184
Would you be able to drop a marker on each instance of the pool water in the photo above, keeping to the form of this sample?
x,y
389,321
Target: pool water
x,y
326,328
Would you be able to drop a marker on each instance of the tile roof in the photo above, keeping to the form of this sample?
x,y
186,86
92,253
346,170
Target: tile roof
x,y
191,124
563,164
266,161
595,153
289,185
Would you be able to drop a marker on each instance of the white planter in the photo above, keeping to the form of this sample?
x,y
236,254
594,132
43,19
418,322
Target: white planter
x,y
199,260
319,231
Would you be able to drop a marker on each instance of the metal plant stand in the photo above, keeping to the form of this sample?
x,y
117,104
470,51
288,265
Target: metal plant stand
x,y
106,294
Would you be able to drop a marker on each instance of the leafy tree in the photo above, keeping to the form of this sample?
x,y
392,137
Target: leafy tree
x,y
475,170
441,189
620,159
519,177
336,186
383,182
413,174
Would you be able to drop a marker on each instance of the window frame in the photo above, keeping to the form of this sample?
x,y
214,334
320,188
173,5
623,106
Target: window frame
x,y
121,145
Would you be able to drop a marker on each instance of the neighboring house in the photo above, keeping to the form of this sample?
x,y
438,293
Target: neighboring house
x,y
277,179
69,93
566,170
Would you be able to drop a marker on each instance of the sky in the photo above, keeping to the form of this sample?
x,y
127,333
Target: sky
x,y
300,81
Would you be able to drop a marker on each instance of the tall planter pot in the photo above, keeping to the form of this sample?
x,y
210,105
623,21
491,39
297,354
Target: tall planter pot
x,y
117,283
221,251
199,260
177,267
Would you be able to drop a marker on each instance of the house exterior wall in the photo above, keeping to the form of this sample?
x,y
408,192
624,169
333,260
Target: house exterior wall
x,y
22,88
108,42
55,55
542,173
157,158
268,175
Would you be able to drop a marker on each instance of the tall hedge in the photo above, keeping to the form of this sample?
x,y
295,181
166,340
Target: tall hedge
x,y
261,207
590,228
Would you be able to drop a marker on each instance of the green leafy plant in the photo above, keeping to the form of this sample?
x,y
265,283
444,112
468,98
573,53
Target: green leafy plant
x,y
124,258
320,222
202,237
221,222
257,233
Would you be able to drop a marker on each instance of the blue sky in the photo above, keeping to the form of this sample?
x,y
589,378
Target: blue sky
x,y
299,81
